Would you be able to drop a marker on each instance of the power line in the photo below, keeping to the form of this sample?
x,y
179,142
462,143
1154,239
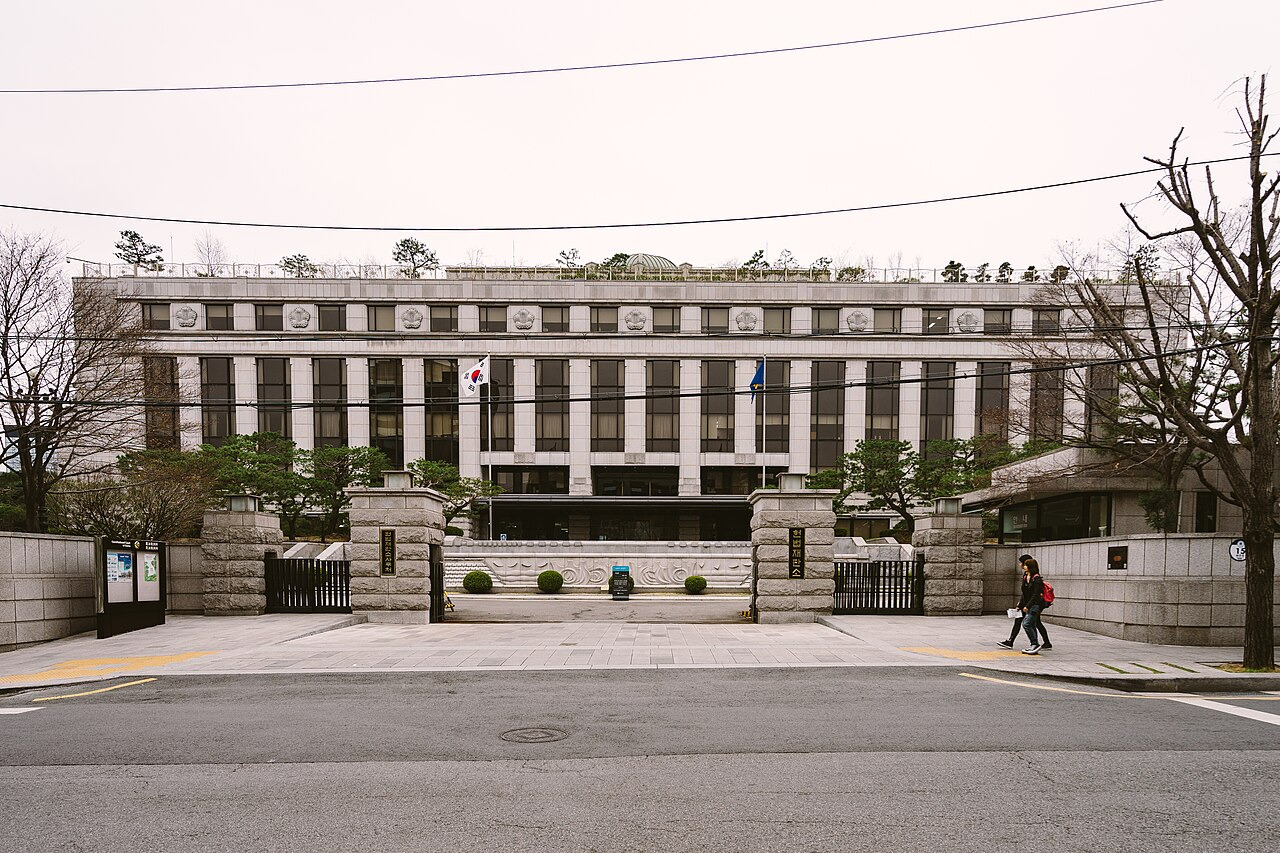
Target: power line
x,y
601,226
572,68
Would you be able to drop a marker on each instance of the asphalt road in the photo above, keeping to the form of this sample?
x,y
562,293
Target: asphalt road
x,y
695,759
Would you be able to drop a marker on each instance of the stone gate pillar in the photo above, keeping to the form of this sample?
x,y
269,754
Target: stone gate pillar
x,y
792,551
235,543
951,544
393,531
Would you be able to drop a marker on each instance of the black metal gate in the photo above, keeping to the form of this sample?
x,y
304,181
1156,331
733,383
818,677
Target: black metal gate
x,y
308,586
879,587
436,555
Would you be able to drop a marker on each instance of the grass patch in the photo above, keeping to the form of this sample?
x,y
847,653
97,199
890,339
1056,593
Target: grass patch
x,y
1147,668
1236,667
1114,668
1175,666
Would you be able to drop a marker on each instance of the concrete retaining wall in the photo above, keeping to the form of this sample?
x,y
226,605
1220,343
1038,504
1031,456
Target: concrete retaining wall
x,y
46,588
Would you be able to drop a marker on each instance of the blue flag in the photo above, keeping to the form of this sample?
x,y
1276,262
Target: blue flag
x,y
757,381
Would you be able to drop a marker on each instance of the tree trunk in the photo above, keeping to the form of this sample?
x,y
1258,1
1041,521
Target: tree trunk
x,y
1259,589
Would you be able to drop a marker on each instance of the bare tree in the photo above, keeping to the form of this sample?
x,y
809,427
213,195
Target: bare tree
x,y
210,254
70,362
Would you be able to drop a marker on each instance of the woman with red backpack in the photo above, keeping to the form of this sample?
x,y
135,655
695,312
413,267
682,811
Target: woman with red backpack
x,y
1017,623
1034,600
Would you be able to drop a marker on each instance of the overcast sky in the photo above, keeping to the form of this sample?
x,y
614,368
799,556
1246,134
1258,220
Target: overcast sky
x,y
896,121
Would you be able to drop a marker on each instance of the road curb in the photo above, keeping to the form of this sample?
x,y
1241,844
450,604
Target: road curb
x,y
1244,682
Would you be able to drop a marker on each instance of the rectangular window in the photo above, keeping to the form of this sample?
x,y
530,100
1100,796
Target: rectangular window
x,y
268,318
715,321
155,316
493,318
1101,399
160,390
606,405
382,318
532,479
717,406
444,318
937,321
635,481
888,320
773,407
604,319
1046,405
777,321
329,389
331,318
1046,321
993,400
555,318
217,400
219,316
937,402
997,321
826,321
736,481
273,396
551,409
441,401
1206,512
826,421
498,393
882,399
386,408
662,406
666,319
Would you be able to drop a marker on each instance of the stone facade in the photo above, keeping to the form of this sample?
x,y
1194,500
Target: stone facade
x,y
235,545
953,571
47,588
416,517
778,596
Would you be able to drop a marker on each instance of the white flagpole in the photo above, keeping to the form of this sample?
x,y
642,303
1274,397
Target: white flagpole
x,y
764,416
489,382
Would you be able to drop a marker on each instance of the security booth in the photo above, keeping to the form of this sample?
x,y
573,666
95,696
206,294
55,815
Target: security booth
x,y
131,585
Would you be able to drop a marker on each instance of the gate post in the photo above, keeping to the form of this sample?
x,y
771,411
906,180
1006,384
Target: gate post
x,y
393,530
950,545
792,551
235,544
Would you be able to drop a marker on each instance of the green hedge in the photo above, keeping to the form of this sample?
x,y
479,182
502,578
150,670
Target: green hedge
x,y
550,581
695,584
477,581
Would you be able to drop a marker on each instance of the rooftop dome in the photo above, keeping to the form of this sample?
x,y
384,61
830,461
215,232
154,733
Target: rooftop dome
x,y
651,263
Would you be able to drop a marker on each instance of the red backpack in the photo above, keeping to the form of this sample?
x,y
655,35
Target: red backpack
x,y
1048,593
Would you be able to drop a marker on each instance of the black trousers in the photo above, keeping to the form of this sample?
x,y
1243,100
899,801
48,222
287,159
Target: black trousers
x,y
1017,626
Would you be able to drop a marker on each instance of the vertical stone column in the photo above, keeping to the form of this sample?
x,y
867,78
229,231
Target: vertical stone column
x,y
633,407
236,542
855,404
799,416
966,401
400,592
525,389
783,592
909,403
190,420
951,545
690,427
358,424
302,391
415,415
246,373
745,433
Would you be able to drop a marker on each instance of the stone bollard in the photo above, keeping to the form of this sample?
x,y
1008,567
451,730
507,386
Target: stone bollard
x,y
792,551
951,544
235,544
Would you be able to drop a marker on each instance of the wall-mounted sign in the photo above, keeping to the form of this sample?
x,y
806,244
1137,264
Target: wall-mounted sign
x,y
1238,550
1118,557
795,553
387,551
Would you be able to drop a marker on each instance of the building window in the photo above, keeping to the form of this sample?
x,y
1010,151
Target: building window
x,y
715,321
160,390
155,316
1079,516
273,396
666,319
498,393
533,480
386,408
555,318
937,321
662,406
882,399
1206,512
1046,321
736,481
217,400
937,402
1101,399
219,316
268,318
331,318
887,320
604,319
606,405
441,401
717,406
773,408
635,481
329,389
777,321
997,321
1046,405
551,408
382,318
493,318
444,318
826,321
993,399
826,421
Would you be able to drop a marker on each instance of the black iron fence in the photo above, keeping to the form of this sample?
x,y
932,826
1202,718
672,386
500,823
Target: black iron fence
x,y
308,586
879,587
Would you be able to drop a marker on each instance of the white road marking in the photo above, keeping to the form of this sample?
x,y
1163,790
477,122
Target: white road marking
x,y
1249,713
17,710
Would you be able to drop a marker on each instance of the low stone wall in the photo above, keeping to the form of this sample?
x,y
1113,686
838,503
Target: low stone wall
x,y
1180,588
46,588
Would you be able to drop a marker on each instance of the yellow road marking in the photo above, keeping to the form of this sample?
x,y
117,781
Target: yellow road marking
x,y
85,667
91,692
959,654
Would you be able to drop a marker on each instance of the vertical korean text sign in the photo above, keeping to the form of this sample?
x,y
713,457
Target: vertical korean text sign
x,y
387,551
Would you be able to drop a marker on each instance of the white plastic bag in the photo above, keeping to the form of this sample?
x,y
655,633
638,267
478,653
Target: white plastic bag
x,y
1014,613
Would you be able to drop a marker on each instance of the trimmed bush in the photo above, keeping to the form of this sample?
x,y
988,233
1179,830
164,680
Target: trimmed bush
x,y
695,584
450,530
477,582
550,581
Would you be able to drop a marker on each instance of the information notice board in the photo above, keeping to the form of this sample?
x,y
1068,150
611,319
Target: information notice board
x,y
131,585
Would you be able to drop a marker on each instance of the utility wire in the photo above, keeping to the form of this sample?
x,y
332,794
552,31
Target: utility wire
x,y
651,224
571,68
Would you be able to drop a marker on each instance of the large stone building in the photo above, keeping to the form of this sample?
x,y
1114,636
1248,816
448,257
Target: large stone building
x,y
618,403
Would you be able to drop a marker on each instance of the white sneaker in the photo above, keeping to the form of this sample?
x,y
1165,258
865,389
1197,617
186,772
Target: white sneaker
x,y
1031,650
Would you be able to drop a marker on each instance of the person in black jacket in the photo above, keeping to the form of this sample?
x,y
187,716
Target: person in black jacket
x,y
1017,623
1031,604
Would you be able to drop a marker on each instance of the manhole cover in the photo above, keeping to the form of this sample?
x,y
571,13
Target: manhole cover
x,y
534,735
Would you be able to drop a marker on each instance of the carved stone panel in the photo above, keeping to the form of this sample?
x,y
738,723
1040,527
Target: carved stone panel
x,y
299,318
186,316
746,320
858,321
411,318
523,319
